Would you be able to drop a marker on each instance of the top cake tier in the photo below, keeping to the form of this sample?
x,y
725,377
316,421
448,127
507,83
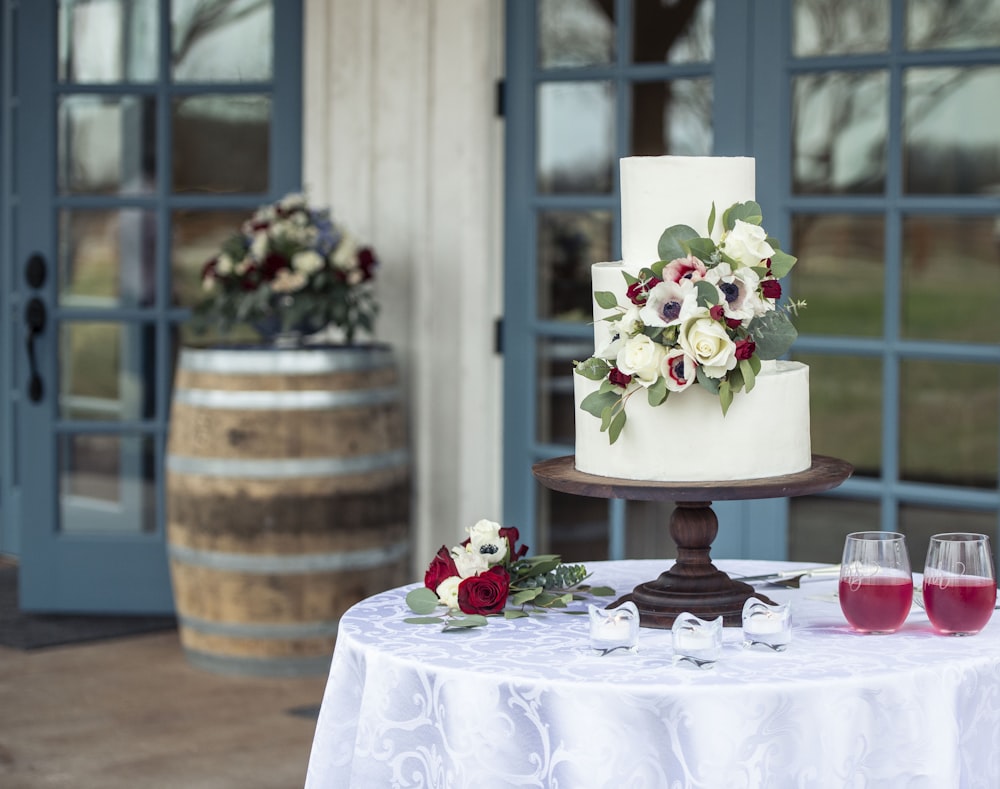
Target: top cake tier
x,y
662,191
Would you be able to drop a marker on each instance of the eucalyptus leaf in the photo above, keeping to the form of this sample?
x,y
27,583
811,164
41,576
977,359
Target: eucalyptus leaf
x,y
711,219
773,333
461,623
673,243
593,368
616,426
424,620
514,614
606,299
629,279
422,600
725,396
596,402
657,392
601,591
702,248
708,294
711,384
747,212
525,596
749,376
781,263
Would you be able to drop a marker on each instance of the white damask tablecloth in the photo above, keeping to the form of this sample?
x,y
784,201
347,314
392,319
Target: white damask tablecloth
x,y
523,703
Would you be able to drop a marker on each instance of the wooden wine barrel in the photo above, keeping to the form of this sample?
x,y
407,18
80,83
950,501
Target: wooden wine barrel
x,y
288,498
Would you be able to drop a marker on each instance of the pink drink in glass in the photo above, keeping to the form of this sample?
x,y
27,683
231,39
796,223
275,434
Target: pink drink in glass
x,y
878,604
960,605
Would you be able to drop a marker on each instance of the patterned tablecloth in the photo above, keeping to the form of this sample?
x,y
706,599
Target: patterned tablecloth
x,y
524,703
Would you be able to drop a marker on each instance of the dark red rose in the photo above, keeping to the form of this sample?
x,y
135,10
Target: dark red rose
x,y
745,348
272,264
771,289
485,593
209,268
442,566
638,291
732,323
717,312
251,279
618,378
367,263
512,535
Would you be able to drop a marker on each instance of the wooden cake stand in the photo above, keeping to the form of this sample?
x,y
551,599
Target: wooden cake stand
x,y
693,583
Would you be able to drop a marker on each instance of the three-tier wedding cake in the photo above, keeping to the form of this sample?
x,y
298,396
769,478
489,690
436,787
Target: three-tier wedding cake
x,y
685,383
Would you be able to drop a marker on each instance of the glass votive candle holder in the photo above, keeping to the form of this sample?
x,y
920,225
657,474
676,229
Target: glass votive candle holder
x,y
697,641
766,625
614,631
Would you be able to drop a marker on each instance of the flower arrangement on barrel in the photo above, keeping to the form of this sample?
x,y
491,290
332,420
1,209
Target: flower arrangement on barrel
x,y
706,313
289,269
489,574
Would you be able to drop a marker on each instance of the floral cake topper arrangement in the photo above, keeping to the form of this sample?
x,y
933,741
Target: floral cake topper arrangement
x,y
290,266
489,574
706,313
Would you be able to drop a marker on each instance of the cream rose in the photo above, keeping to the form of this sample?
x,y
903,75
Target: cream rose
x,y
746,244
447,591
705,340
224,264
307,261
259,246
641,357
345,256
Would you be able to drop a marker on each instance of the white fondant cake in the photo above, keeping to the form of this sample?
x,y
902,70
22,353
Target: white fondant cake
x,y
765,431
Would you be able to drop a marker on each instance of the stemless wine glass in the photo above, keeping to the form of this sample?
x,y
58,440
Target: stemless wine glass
x,y
960,586
876,587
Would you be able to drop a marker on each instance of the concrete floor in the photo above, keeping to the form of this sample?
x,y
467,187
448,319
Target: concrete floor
x,y
131,713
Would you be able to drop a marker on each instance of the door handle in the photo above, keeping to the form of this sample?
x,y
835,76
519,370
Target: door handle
x,y
34,319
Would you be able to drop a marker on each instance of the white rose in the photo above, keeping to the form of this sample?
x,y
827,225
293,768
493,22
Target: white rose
x,y
447,591
224,264
307,262
641,357
485,539
287,281
243,266
747,244
629,323
707,342
208,284
292,201
345,256
259,245
469,562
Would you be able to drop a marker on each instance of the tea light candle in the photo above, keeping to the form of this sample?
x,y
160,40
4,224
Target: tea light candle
x,y
764,623
696,639
614,631
617,627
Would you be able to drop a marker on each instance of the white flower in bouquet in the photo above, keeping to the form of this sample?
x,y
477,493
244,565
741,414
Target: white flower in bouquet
x,y
746,244
485,539
447,591
669,303
469,562
678,370
706,341
640,357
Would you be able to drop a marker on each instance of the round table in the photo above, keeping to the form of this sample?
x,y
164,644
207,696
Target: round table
x,y
525,703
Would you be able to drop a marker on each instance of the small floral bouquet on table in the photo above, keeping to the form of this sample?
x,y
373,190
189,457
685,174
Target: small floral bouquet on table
x,y
289,268
706,313
481,576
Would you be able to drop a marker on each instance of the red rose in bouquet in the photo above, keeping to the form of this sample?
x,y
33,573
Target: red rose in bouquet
x,y
485,593
442,566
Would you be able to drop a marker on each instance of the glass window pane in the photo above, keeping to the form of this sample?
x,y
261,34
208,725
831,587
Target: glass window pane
x,y
221,144
576,139
108,40
107,484
941,249
575,33
920,522
817,526
575,527
569,242
950,140
107,371
952,24
949,422
845,400
840,273
107,145
555,410
672,118
673,32
220,42
839,27
107,258
839,132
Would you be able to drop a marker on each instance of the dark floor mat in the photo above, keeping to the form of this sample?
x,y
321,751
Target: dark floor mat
x,y
22,630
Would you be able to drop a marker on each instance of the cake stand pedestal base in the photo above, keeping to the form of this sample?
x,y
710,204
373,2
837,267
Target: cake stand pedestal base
x,y
693,583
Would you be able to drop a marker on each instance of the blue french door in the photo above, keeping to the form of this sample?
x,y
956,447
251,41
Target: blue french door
x,y
142,133
873,125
